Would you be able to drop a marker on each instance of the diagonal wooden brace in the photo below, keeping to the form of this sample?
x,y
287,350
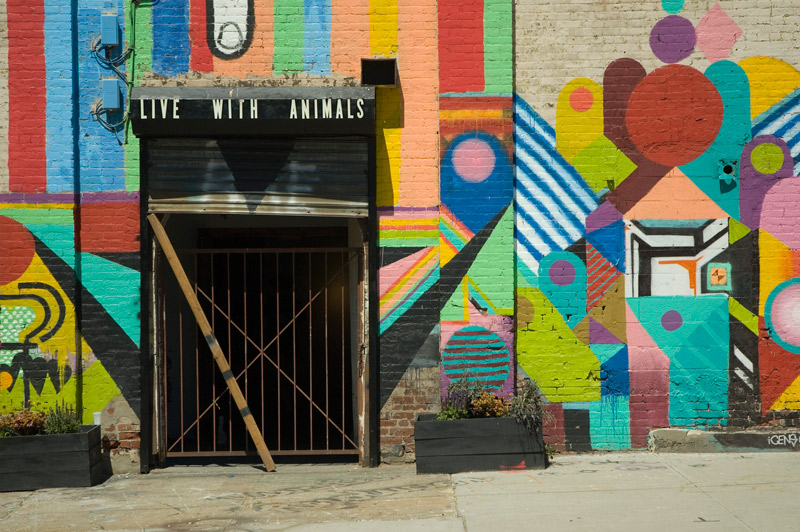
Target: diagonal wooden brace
x,y
208,334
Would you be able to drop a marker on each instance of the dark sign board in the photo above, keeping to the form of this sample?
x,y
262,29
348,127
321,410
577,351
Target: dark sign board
x,y
219,111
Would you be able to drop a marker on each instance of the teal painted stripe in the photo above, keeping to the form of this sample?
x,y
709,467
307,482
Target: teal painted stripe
x,y
502,360
401,309
116,288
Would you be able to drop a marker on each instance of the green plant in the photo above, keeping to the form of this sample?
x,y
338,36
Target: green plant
x,y
456,404
62,419
527,406
23,422
489,405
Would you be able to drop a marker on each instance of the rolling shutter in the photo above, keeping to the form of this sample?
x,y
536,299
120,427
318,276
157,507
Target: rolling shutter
x,y
267,175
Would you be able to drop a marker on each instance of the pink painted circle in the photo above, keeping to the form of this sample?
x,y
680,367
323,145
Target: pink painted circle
x,y
474,160
784,314
581,99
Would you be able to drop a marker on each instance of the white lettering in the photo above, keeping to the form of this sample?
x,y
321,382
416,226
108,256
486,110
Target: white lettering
x,y
164,103
293,112
349,114
360,106
316,109
241,109
339,113
230,109
253,108
791,438
217,109
153,107
327,108
142,114
175,109
305,109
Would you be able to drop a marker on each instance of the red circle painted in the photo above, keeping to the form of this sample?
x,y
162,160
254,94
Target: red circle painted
x,y
16,250
674,114
581,99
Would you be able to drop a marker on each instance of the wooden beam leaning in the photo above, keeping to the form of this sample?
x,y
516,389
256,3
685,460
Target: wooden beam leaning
x,y
216,350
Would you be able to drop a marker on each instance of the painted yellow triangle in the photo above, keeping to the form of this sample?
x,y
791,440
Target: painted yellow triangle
x,y
736,230
790,399
675,197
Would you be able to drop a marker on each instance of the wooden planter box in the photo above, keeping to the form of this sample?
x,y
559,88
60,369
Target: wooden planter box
x,y
51,460
486,444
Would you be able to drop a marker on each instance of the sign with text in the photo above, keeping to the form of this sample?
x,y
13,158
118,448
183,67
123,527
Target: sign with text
x,y
218,111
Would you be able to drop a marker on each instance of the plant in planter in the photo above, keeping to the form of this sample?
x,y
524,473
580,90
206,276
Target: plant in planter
x,y
48,450
479,431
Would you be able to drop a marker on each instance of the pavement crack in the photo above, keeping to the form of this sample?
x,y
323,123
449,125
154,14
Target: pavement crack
x,y
706,493
460,515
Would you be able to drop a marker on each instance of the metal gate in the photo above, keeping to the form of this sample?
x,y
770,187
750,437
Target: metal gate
x,y
283,318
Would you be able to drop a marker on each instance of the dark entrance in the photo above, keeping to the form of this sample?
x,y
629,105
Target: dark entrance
x,y
280,302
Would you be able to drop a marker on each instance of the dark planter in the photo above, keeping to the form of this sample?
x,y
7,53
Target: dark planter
x,y
486,444
51,460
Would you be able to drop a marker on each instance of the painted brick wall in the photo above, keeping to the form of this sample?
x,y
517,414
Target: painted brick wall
x,y
653,160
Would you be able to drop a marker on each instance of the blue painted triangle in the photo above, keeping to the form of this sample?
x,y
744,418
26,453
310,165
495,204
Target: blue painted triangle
x,y
609,241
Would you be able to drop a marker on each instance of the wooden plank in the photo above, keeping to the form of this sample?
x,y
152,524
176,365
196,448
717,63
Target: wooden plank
x,y
208,333
481,444
485,462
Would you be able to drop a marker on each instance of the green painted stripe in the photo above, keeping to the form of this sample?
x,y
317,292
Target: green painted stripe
x,y
39,216
407,242
738,311
498,46
289,36
393,233
140,36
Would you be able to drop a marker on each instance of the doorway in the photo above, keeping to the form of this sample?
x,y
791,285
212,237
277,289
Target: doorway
x,y
286,300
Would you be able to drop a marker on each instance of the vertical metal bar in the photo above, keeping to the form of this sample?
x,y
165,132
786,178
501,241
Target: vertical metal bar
x,y
310,362
196,367
180,364
261,340
228,312
278,333
215,408
294,345
165,376
341,317
244,340
327,376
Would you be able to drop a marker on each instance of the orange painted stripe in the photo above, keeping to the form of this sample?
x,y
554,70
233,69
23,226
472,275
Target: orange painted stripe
x,y
417,24
258,58
349,36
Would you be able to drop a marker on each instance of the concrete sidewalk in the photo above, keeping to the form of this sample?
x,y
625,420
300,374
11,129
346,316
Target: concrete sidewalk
x,y
598,491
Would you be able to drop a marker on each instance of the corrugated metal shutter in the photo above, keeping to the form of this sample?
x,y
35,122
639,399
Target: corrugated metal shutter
x,y
298,175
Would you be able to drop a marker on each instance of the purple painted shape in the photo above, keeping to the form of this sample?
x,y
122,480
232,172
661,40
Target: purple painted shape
x,y
673,39
753,185
598,334
671,320
562,272
605,214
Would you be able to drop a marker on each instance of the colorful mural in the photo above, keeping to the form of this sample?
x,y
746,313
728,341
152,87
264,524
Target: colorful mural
x,y
656,240
628,240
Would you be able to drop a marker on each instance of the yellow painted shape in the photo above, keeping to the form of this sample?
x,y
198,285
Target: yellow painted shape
x,y
771,80
465,299
775,259
481,292
748,319
63,341
458,114
446,251
550,353
410,223
790,399
387,156
383,27
423,263
576,130
98,390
